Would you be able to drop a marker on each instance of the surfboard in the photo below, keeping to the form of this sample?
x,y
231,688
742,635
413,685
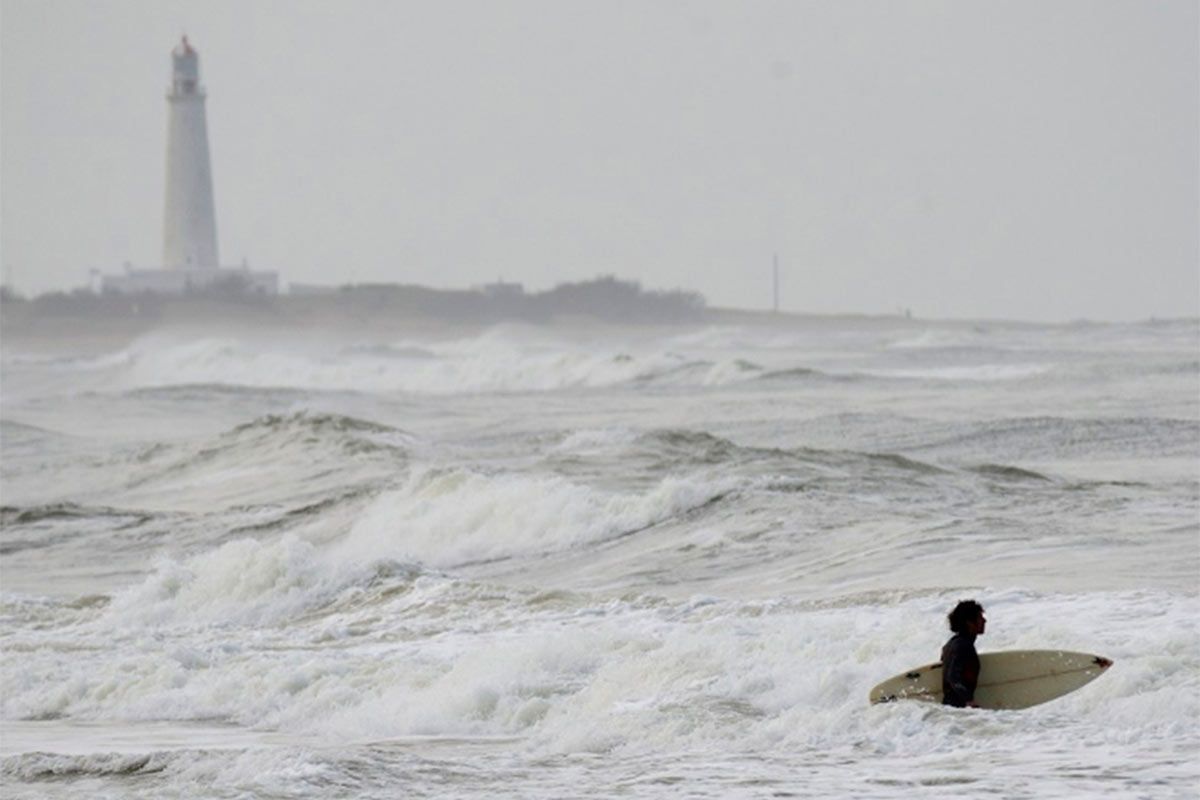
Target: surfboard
x,y
1007,679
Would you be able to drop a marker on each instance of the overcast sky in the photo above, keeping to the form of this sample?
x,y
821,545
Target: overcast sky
x,y
1033,160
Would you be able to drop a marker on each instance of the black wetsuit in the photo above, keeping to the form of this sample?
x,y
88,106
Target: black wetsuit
x,y
960,670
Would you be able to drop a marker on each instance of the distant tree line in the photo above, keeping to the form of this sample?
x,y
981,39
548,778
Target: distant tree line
x,y
84,302
603,298
610,298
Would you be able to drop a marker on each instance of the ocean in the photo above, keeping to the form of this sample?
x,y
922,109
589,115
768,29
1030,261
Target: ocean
x,y
588,561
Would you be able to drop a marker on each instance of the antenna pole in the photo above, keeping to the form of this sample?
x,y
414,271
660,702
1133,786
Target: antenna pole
x,y
775,280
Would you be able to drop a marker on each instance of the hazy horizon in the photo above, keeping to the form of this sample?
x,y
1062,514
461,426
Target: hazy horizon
x,y
1022,162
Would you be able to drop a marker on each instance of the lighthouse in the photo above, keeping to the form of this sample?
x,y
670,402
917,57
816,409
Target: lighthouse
x,y
190,263
190,223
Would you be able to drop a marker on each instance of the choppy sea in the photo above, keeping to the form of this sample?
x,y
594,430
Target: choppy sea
x,y
546,562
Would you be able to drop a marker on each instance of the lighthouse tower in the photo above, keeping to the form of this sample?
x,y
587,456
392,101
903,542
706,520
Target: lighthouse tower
x,y
190,262
190,223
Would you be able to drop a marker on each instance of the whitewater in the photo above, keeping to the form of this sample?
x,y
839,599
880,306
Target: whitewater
x,y
589,561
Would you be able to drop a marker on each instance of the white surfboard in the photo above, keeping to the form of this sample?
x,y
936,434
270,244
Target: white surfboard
x,y
1007,679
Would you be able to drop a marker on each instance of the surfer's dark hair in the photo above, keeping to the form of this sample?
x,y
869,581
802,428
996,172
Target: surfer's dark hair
x,y
965,612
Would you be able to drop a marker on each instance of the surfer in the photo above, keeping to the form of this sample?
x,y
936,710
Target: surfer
x,y
960,662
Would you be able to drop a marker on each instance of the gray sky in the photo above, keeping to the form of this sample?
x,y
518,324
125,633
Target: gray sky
x,y
1034,160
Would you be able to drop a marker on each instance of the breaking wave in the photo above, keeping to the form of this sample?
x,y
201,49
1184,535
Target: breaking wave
x,y
452,517
509,359
54,766
322,451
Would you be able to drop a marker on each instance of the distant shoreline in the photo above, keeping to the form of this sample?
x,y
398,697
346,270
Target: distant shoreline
x,y
366,308
109,321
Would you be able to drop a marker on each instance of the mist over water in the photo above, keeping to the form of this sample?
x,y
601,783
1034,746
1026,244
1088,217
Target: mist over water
x,y
547,561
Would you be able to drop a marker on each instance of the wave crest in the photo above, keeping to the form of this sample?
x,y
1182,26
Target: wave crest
x,y
454,517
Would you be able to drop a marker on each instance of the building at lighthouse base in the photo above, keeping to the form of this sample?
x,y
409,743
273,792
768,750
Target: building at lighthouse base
x,y
177,281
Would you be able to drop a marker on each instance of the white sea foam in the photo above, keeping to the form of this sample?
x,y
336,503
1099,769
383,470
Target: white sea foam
x,y
243,581
593,440
635,676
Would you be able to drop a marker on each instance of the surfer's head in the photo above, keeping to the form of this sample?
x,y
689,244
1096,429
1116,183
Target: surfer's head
x,y
967,617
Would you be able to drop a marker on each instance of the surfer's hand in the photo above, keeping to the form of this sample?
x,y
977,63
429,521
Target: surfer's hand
x,y
972,704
